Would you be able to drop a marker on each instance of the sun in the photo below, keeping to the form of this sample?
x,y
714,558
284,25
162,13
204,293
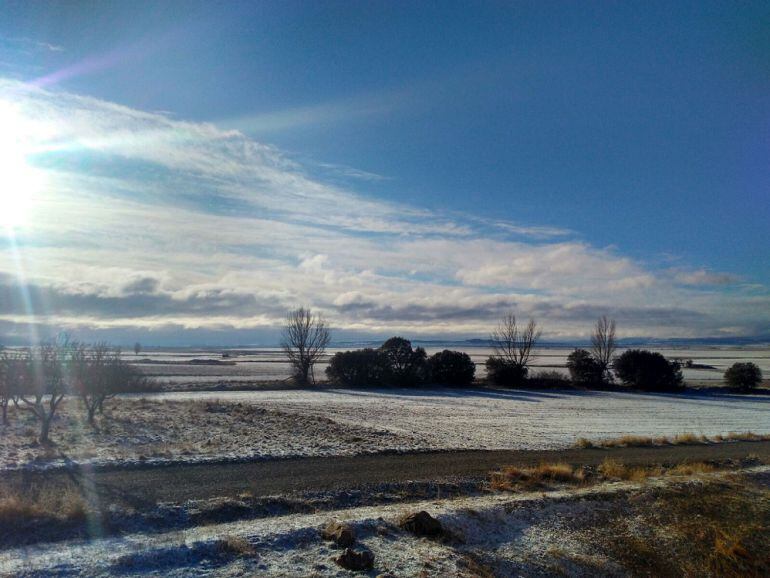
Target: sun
x,y
19,181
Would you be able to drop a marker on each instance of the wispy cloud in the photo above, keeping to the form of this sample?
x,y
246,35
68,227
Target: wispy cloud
x,y
148,222
324,113
29,45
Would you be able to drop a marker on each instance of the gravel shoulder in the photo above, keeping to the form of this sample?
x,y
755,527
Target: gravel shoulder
x,y
178,483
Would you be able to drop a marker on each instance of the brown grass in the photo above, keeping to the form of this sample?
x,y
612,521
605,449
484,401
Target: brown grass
x,y
715,528
691,469
631,441
234,546
689,439
511,477
18,506
613,470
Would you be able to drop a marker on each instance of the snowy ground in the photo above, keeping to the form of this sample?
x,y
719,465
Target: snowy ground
x,y
141,431
530,534
268,424
512,419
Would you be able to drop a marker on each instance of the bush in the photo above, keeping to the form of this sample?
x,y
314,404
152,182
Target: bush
x,y
547,379
648,370
505,373
743,376
405,367
584,369
451,368
359,368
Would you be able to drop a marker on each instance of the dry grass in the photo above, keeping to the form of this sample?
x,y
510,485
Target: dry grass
x,y
511,477
18,507
631,441
614,470
743,437
689,439
715,528
234,546
691,469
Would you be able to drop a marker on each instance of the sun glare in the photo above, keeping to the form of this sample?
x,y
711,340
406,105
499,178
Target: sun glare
x,y
19,182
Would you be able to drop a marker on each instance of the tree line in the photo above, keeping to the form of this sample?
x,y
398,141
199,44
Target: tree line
x,y
395,363
37,379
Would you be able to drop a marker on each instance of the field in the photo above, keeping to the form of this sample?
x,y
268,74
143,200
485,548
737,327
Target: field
x,y
217,426
234,368
178,482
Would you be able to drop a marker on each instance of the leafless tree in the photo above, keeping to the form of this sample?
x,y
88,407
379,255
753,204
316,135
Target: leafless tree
x,y
12,368
604,344
95,376
512,344
137,348
305,337
48,381
100,373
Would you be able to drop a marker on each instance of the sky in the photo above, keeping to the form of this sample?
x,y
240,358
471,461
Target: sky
x,y
184,173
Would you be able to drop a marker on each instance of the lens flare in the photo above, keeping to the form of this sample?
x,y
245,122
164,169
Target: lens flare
x,y
19,181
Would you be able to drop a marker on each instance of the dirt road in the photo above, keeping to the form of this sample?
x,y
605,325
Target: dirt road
x,y
178,483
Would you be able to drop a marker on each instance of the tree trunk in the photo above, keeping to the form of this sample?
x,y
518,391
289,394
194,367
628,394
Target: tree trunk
x,y
45,427
5,412
91,412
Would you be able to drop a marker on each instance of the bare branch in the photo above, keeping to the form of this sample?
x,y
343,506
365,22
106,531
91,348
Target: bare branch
x,y
305,338
513,344
604,344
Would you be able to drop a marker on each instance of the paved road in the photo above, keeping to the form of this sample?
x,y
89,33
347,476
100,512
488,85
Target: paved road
x,y
184,482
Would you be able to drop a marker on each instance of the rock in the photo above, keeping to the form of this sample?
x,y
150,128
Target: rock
x,y
339,533
356,561
422,524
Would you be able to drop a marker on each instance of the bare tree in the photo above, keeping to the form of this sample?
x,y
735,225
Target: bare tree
x,y
137,348
512,344
49,378
305,337
604,344
100,373
15,370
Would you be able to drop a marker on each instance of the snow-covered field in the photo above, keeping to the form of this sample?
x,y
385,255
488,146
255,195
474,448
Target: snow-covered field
x,y
526,534
206,426
511,419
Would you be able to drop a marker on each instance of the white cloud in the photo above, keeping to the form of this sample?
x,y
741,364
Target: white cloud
x,y
152,222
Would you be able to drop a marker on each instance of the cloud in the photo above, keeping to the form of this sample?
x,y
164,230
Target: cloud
x,y
148,223
704,277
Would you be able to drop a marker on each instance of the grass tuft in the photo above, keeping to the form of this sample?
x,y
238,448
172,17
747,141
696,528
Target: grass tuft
x,y
234,546
633,441
65,505
510,477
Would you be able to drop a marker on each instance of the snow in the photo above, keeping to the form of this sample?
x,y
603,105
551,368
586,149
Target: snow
x,y
441,419
517,534
217,426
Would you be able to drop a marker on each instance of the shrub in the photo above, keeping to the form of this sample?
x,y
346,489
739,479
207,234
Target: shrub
x,y
451,368
404,366
648,370
547,379
584,369
743,376
359,368
505,373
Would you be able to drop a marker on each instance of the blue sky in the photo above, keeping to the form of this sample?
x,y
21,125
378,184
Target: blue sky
x,y
441,160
